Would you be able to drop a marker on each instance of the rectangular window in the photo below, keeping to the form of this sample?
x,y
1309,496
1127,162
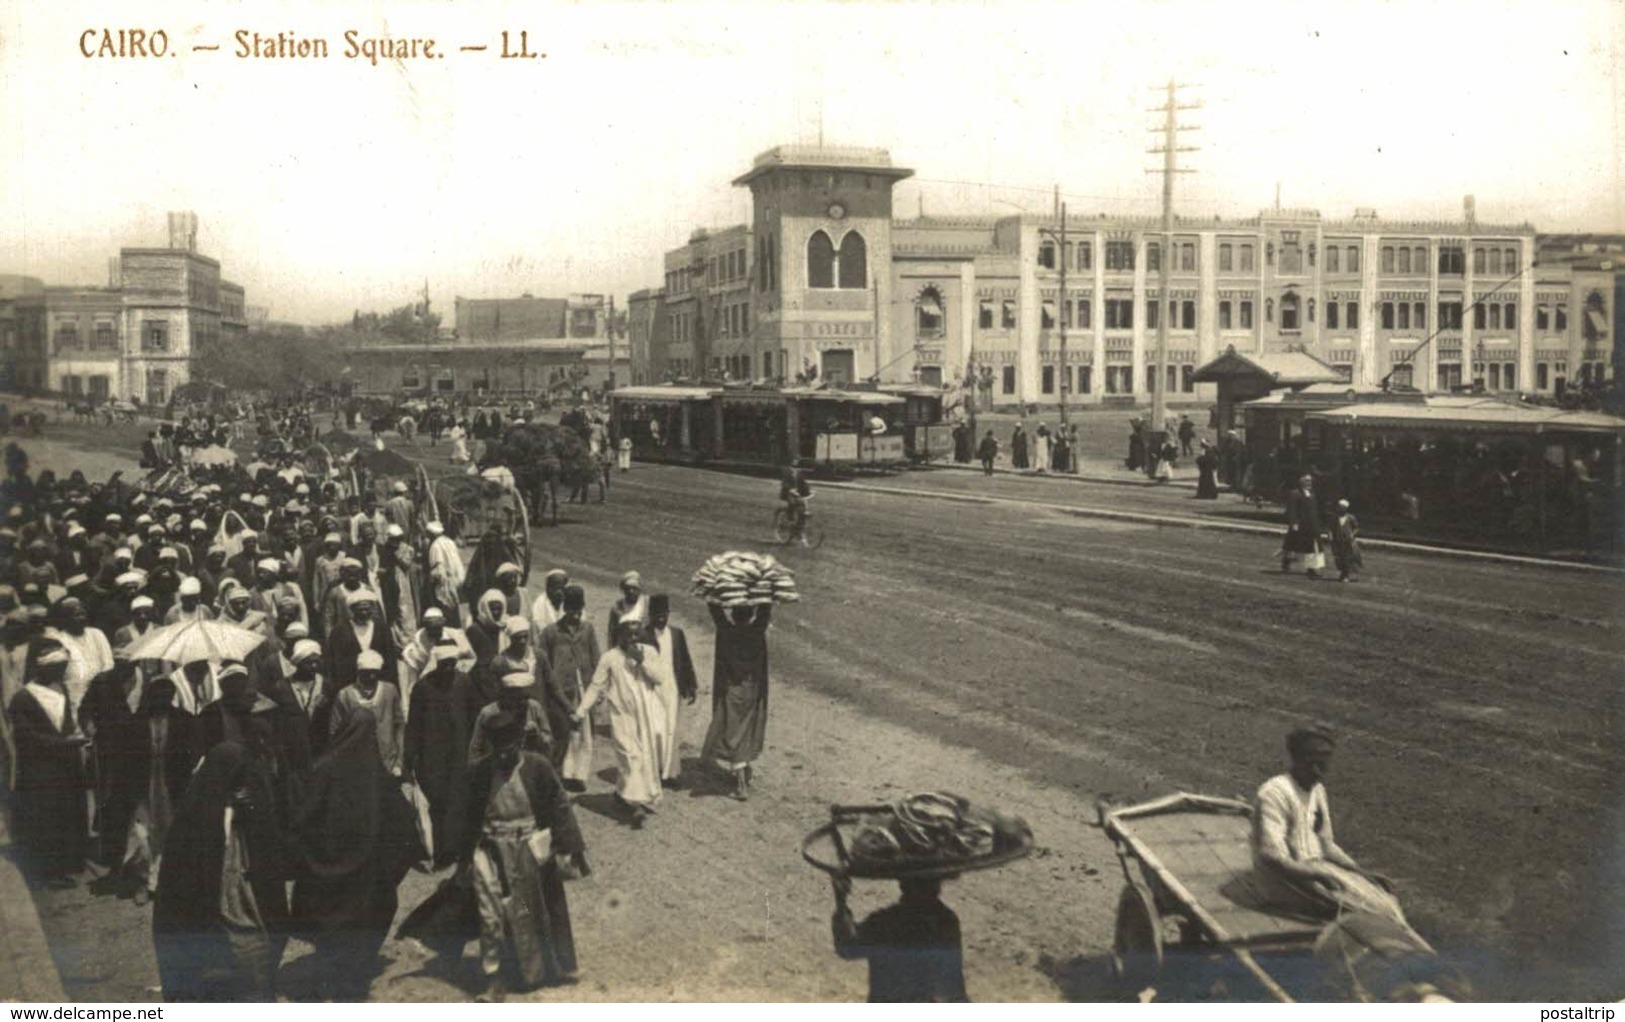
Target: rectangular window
x,y
1046,255
984,314
1009,379
1543,318
1450,315
1479,317
1419,316
1353,315
1495,374
1510,315
1353,259
1542,376
1291,259
105,337
1085,380
1152,309
1509,376
1187,316
1332,259
1151,379
1404,316
1224,315
1246,314
1478,260
1119,255
67,334
1404,260
1008,321
1452,260
1331,307
1086,259
1388,259
1046,314
1246,255
1187,257
1119,313
155,335
1226,258
1153,256
1046,378
1084,314
1387,315
1495,316
1187,379
1562,322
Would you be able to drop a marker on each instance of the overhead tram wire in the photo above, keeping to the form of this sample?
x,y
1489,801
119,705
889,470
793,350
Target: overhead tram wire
x,y
1437,330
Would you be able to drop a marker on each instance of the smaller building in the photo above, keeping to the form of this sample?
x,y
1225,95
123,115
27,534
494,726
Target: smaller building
x,y
85,329
1242,377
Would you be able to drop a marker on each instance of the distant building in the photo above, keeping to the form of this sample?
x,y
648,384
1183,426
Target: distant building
x,y
501,347
648,335
708,309
135,338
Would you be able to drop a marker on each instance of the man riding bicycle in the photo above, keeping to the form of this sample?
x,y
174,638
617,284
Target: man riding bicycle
x,y
794,491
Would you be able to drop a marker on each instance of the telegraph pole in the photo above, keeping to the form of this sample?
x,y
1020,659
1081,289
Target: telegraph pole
x,y
1170,148
1061,307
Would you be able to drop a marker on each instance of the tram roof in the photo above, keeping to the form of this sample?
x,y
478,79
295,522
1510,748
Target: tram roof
x,y
1476,415
663,392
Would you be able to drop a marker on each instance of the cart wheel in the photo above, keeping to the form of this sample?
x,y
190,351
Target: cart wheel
x,y
1137,947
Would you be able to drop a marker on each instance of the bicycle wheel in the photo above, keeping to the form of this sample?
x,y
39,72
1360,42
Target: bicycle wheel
x,y
781,525
813,533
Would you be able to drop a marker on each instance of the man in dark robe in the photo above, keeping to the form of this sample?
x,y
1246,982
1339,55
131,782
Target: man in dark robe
x,y
219,923
1302,540
567,657
363,632
738,692
524,916
49,787
914,948
435,751
1207,464
357,836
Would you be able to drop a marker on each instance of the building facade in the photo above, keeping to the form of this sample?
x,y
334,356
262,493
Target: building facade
x,y
838,289
136,337
648,335
501,347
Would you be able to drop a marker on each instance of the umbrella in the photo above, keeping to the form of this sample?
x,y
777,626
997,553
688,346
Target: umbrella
x,y
190,641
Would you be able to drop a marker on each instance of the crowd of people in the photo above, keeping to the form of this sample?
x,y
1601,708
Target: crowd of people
x,y
256,702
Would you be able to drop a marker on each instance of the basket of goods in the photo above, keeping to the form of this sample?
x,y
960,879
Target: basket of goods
x,y
932,834
736,579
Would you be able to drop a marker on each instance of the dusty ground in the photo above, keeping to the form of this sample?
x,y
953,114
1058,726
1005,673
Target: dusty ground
x,y
1039,659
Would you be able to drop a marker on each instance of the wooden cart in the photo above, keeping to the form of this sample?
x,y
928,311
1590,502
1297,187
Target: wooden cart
x,y
1188,862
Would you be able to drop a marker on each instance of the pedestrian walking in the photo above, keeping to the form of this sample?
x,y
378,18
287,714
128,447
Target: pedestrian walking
x,y
623,453
524,917
567,658
738,692
1018,448
988,452
1207,464
1187,433
1346,544
357,837
914,948
1301,545
668,659
636,719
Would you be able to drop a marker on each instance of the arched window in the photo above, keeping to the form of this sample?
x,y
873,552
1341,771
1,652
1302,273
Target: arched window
x,y
1387,259
1495,261
1354,259
1404,260
1289,312
820,261
1333,254
854,261
928,313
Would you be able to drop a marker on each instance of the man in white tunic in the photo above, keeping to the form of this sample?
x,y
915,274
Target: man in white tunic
x,y
669,661
446,572
1298,864
622,680
549,607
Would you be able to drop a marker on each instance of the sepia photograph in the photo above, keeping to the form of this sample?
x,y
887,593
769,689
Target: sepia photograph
x,y
813,501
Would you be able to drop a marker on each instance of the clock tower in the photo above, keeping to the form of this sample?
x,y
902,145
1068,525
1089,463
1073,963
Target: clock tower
x,y
822,227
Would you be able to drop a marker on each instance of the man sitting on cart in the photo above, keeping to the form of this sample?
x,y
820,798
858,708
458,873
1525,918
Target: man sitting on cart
x,y
794,491
1299,865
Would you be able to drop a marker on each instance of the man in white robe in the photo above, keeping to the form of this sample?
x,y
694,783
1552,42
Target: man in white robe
x,y
636,720
549,607
668,659
446,572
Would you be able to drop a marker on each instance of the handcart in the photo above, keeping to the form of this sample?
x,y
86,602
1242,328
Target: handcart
x,y
1191,887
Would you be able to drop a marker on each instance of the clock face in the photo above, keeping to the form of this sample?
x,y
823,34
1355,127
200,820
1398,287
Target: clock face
x,y
836,211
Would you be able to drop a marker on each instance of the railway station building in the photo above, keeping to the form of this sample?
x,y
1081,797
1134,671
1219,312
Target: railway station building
x,y
827,283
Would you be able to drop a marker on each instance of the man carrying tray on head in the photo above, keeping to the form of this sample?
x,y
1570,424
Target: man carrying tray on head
x,y
914,948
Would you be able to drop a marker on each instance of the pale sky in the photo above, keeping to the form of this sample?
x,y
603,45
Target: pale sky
x,y
324,186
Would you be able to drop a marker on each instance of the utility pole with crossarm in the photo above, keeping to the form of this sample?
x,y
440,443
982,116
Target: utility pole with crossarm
x,y
1170,148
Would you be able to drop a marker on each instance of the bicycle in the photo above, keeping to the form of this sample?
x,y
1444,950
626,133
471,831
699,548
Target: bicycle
x,y
812,533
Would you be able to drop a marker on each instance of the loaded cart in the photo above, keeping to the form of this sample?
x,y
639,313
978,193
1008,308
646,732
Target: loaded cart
x,y
1188,864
